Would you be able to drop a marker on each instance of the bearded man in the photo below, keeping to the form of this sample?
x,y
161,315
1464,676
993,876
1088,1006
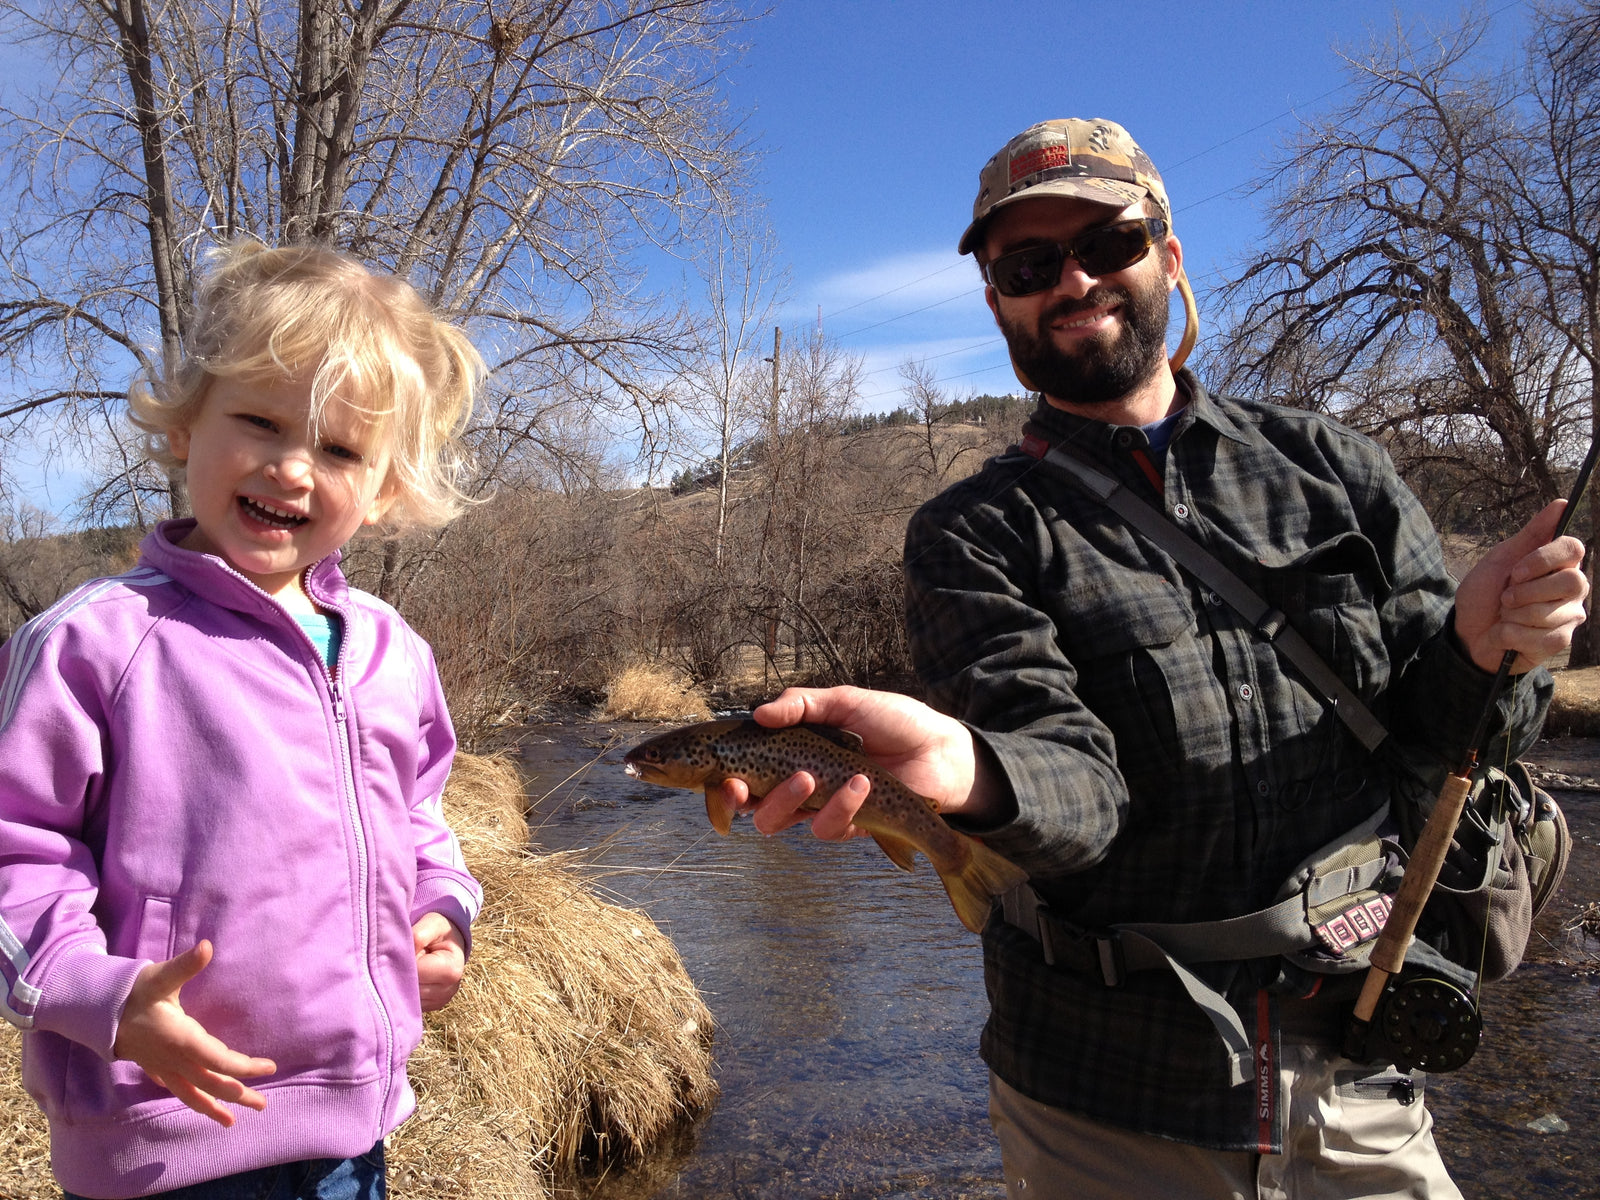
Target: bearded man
x,y
1103,719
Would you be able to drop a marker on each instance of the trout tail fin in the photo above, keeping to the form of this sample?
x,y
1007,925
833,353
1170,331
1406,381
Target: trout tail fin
x,y
985,876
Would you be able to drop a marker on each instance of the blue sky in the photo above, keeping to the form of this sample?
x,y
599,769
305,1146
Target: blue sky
x,y
877,114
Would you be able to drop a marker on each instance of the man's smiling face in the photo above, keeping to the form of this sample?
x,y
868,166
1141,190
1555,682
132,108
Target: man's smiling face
x,y
1089,340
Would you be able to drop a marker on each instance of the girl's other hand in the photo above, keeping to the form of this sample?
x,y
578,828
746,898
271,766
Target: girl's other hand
x,y
441,960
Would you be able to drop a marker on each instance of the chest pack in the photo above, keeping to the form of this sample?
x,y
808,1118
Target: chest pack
x,y
1506,861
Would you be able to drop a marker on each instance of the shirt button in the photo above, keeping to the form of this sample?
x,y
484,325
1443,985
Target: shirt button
x,y
1262,788
1246,691
1125,438
1180,511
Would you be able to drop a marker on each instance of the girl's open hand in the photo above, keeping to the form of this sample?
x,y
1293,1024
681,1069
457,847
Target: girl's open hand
x,y
176,1051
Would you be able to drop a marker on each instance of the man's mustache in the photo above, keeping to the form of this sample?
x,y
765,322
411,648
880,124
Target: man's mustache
x,y
1101,297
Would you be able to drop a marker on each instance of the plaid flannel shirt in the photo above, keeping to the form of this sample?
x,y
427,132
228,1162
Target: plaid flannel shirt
x,y
1167,764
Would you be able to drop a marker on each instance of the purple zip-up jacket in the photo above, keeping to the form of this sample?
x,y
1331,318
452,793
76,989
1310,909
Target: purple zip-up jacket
x,y
177,763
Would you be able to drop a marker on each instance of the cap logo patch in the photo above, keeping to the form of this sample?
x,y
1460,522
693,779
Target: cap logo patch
x,y
1041,158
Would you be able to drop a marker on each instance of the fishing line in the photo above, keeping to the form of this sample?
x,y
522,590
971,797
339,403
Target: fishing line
x,y
616,740
592,869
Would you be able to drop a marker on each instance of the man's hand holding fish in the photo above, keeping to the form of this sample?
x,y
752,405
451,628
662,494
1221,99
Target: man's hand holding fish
x,y
931,753
868,781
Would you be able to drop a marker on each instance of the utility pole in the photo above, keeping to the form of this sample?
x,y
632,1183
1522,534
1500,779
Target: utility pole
x,y
772,460
777,347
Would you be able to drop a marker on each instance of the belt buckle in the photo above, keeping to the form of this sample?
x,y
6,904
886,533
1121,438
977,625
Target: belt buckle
x,y
1046,937
1113,963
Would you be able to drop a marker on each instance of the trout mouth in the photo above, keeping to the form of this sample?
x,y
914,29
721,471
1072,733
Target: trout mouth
x,y
645,772
659,773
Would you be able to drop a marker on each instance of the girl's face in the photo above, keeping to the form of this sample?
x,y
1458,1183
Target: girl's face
x,y
270,497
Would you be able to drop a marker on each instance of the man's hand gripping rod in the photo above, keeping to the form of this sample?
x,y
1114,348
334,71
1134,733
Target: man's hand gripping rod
x,y
1422,869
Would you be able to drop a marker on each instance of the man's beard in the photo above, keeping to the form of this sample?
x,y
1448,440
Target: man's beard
x,y
1098,371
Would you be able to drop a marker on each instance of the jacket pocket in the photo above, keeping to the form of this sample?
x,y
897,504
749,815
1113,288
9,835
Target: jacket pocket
x,y
1095,622
1126,642
1331,594
155,929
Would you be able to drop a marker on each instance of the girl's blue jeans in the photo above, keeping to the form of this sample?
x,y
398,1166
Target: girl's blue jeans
x,y
359,1178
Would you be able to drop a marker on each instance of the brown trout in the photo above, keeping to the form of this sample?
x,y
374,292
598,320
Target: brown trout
x,y
899,820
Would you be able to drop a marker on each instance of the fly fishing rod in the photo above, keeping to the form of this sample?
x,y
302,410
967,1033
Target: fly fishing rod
x,y
1428,1022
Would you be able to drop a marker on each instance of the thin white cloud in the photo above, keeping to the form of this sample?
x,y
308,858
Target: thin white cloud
x,y
894,284
919,305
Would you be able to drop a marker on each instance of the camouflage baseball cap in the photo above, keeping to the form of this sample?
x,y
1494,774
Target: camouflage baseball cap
x,y
1092,160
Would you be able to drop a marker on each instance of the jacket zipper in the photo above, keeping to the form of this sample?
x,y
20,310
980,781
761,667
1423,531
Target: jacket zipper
x,y
352,809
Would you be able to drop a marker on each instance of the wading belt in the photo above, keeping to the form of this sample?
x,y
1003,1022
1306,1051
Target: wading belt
x,y
1284,928
1280,929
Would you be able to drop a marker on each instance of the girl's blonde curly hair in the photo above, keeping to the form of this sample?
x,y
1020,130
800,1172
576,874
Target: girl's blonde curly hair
x,y
362,338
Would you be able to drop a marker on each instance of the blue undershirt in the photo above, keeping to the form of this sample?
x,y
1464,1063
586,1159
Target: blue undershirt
x,y
325,632
1160,435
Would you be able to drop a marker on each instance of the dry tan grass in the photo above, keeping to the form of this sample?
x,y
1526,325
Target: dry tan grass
x,y
576,1035
24,1146
653,692
1575,707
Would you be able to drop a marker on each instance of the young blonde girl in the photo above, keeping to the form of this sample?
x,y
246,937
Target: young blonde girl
x,y
220,772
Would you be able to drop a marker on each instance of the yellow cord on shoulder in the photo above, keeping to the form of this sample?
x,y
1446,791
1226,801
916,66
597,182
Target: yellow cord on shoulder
x,y
1191,323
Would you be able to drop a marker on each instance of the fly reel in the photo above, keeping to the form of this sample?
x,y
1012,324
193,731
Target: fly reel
x,y
1421,1022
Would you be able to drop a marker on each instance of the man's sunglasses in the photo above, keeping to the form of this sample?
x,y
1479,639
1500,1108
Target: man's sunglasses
x,y
1101,251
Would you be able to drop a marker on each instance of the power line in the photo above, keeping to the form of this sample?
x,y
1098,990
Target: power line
x,y
912,313
947,378
931,357
1289,112
893,290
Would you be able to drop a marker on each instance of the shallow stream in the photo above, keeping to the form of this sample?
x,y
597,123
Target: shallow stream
x,y
849,999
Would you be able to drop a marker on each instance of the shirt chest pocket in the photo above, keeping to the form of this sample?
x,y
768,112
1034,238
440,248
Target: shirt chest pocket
x,y
1132,640
1331,594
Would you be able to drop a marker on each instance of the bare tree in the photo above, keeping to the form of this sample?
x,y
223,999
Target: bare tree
x,y
726,394
1554,170
512,157
821,384
931,406
1389,291
39,563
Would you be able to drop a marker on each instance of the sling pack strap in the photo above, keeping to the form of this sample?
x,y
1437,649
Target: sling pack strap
x,y
1111,956
1267,621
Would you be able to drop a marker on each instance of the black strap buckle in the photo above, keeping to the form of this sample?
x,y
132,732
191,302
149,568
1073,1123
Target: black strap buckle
x,y
1113,963
1271,624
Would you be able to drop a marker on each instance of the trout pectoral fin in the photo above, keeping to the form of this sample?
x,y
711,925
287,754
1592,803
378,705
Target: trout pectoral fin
x,y
901,852
721,818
